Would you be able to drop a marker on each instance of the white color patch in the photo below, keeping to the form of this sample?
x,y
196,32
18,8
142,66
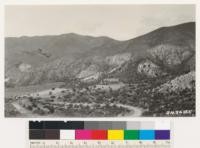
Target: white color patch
x,y
67,134
162,125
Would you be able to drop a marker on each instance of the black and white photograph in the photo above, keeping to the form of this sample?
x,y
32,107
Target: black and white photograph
x,y
100,60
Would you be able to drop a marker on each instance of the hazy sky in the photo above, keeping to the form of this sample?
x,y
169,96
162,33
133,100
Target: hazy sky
x,y
117,21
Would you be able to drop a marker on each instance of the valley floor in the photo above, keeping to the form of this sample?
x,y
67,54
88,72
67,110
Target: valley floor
x,y
96,100
56,101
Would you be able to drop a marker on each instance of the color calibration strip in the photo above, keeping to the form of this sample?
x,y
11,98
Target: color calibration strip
x,y
99,134
98,130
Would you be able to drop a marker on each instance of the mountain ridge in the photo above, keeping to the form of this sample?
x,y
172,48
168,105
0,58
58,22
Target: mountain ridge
x,y
76,53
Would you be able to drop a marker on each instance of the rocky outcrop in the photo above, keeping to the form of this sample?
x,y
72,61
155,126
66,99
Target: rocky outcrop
x,y
91,70
99,65
118,59
180,83
149,69
25,67
92,77
170,56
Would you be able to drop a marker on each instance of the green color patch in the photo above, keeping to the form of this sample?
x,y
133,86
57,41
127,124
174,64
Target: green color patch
x,y
131,134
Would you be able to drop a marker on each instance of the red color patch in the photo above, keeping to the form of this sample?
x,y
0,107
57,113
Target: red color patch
x,y
99,134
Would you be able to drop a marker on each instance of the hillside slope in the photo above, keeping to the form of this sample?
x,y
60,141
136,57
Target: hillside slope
x,y
54,58
39,50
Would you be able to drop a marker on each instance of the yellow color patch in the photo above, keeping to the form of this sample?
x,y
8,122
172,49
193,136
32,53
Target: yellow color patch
x,y
115,134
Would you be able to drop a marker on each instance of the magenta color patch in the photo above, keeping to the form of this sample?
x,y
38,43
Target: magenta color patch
x,y
83,134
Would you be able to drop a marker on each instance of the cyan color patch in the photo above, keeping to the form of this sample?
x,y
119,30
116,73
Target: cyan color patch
x,y
147,134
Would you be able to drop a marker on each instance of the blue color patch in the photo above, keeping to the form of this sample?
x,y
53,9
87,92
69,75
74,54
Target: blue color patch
x,y
147,134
